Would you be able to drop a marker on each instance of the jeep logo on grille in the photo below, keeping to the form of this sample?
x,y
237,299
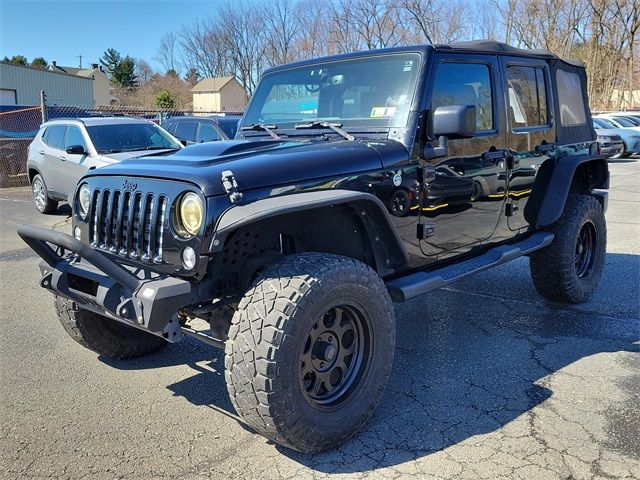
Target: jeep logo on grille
x,y
129,186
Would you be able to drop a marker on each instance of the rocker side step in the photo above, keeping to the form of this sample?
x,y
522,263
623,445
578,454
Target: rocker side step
x,y
414,284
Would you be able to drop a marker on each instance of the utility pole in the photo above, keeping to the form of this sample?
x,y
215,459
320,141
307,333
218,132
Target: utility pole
x,y
80,57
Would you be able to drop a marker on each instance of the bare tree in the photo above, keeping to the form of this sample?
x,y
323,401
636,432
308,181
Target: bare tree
x,y
143,71
167,53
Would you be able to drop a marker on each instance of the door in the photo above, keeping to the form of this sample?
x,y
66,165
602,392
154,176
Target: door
x,y
53,153
465,201
531,133
74,165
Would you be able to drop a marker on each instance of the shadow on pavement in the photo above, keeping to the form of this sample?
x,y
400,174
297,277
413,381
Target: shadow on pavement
x,y
465,365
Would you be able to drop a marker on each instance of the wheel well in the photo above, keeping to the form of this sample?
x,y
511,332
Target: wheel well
x,y
351,230
589,175
32,172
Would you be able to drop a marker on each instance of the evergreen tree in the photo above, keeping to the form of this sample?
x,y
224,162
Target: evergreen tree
x,y
110,61
19,60
39,62
124,75
164,99
192,77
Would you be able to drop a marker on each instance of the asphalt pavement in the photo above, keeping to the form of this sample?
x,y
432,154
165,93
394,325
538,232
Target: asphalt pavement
x,y
489,381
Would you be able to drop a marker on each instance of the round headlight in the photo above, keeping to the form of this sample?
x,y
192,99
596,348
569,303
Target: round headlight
x,y
190,214
84,199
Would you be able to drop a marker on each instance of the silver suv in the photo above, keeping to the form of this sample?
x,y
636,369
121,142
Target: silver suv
x,y
64,150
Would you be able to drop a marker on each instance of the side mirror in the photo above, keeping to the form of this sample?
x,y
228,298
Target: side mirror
x,y
455,121
76,150
452,121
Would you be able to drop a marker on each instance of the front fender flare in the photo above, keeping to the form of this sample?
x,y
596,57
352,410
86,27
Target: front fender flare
x,y
388,248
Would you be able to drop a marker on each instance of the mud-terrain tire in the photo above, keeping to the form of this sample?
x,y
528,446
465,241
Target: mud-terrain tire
x,y
286,319
103,335
40,196
569,269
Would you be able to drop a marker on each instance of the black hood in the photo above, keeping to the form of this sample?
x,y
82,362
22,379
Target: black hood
x,y
257,164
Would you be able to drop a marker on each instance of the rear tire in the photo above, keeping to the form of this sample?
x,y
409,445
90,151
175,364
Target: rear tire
x,y
103,335
40,195
570,268
302,366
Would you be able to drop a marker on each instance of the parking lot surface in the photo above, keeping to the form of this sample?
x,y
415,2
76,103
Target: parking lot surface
x,y
489,381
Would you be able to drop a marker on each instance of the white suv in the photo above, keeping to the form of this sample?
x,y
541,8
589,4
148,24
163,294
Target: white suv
x,y
63,151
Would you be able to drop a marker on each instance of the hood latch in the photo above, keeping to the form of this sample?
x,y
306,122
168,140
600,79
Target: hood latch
x,y
231,186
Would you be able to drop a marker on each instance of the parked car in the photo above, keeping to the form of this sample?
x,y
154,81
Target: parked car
x,y
211,128
630,115
611,144
630,137
619,121
294,264
64,150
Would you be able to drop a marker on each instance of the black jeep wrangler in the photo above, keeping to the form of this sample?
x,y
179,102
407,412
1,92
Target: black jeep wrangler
x,y
288,245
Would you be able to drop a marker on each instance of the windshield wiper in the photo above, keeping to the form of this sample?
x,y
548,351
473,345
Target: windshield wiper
x,y
157,147
257,127
332,126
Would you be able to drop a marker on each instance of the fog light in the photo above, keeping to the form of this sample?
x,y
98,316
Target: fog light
x,y
189,258
77,233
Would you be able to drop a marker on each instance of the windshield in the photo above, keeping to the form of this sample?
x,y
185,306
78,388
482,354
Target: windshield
x,y
374,91
624,122
603,123
129,137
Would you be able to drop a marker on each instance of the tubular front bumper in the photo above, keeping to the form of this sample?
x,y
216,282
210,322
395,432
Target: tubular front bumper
x,y
138,297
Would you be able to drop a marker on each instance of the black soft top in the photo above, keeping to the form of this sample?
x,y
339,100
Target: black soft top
x,y
493,47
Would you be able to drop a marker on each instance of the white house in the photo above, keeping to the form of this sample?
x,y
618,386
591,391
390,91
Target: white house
x,y
219,94
101,85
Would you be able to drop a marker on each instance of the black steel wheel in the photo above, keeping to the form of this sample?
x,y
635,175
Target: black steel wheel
x,y
310,350
400,203
585,249
570,268
336,354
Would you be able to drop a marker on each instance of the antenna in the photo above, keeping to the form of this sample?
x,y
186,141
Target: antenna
x,y
80,57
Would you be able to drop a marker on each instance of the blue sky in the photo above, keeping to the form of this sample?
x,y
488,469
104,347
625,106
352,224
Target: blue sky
x,y
63,29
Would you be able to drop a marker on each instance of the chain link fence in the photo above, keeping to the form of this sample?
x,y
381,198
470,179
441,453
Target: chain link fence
x,y
20,124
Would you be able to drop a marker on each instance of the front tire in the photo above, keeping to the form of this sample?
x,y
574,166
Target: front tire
x,y
103,335
569,269
41,196
310,350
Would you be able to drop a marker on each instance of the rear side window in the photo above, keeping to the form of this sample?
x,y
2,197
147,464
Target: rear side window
x,y
186,131
207,133
527,97
54,136
570,99
465,84
74,137
169,127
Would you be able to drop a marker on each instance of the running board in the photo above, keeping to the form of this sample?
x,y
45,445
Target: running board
x,y
414,284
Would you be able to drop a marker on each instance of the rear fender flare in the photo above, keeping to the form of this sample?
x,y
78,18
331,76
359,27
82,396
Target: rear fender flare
x,y
561,180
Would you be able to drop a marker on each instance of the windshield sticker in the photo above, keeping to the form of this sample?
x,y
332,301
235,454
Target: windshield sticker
x,y
382,112
408,66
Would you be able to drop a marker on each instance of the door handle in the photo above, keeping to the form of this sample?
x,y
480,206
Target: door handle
x,y
41,152
63,158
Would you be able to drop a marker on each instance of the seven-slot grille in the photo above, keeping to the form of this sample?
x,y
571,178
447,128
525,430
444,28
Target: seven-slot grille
x,y
130,224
